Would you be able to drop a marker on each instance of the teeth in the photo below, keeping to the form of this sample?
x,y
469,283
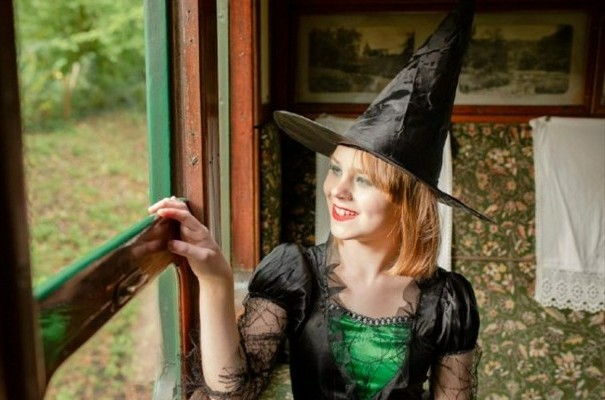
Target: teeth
x,y
343,213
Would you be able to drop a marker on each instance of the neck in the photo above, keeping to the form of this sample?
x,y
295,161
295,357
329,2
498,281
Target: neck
x,y
367,260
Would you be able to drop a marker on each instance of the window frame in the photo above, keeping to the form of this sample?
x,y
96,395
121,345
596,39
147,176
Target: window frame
x,y
181,47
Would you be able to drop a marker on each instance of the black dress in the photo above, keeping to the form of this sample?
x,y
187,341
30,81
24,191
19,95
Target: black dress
x,y
444,330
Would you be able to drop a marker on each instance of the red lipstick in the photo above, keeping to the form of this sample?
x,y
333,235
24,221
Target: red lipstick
x,y
342,214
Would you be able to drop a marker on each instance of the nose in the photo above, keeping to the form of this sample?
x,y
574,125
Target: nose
x,y
342,189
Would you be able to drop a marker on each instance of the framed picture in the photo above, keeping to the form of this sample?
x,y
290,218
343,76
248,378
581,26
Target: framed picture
x,y
349,58
519,62
526,59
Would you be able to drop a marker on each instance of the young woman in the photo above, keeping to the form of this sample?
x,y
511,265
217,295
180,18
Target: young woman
x,y
367,315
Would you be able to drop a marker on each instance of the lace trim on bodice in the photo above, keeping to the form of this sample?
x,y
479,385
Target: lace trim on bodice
x,y
395,320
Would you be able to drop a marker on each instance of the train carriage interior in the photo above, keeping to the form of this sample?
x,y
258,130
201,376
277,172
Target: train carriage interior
x,y
193,117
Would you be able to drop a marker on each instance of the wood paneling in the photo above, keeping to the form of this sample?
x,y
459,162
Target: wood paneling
x,y
244,100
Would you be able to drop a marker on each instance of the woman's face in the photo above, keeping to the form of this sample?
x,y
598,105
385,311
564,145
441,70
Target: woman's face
x,y
358,209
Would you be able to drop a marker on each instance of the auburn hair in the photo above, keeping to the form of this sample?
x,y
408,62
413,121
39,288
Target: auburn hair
x,y
418,226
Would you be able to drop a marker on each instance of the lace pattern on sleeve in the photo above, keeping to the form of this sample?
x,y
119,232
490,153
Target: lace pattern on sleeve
x,y
262,329
454,377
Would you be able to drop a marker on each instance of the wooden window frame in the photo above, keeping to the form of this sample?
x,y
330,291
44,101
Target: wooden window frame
x,y
21,371
194,143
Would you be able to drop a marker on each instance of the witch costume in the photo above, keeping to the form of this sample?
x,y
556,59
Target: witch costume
x,y
430,345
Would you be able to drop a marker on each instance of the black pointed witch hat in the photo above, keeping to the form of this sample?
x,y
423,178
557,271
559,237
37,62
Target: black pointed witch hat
x,y
407,124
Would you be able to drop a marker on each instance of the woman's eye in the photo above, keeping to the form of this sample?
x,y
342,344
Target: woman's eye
x,y
335,169
363,181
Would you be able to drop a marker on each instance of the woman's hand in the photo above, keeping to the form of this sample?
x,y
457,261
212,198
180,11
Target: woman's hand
x,y
196,244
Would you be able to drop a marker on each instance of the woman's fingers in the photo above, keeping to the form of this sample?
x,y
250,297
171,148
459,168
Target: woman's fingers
x,y
187,220
174,208
172,202
196,243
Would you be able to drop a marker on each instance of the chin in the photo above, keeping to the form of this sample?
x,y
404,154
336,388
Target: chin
x,y
338,234
342,234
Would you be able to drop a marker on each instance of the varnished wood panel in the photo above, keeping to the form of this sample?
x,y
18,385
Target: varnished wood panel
x,y
244,100
196,139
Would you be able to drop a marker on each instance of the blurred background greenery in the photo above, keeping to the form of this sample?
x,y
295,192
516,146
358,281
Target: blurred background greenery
x,y
77,57
82,79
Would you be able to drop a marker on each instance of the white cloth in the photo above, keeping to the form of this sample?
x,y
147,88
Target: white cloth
x,y
569,161
322,220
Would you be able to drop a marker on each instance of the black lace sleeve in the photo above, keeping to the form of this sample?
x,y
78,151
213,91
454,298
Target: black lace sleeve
x,y
454,375
278,296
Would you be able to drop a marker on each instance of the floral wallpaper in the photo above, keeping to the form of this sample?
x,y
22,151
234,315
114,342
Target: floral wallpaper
x,y
298,193
270,183
530,352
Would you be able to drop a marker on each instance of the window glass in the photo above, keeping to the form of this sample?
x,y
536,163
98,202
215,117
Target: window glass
x,y
82,89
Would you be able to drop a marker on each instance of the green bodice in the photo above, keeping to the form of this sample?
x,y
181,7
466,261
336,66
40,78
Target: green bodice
x,y
371,350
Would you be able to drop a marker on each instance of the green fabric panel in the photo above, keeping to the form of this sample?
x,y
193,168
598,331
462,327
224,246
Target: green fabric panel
x,y
372,354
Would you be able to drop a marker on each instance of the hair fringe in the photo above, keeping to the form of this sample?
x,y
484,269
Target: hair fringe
x,y
418,227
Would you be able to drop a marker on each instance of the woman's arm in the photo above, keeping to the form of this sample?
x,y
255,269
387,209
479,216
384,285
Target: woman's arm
x,y
454,374
454,377
218,330
236,357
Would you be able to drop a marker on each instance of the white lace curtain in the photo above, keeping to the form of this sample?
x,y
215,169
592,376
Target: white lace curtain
x,y
569,160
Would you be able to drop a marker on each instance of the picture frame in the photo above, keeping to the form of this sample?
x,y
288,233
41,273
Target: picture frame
x,y
598,103
598,107
526,59
567,88
332,68
601,96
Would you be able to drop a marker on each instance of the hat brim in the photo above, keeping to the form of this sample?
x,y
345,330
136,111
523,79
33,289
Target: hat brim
x,y
309,133
323,140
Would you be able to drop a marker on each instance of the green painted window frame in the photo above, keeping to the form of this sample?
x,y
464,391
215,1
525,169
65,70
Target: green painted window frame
x,y
157,65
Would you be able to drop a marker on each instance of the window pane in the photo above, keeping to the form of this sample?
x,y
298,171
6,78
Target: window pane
x,y
87,180
82,81
120,362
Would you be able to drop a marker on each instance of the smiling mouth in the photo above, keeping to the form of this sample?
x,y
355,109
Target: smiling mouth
x,y
342,214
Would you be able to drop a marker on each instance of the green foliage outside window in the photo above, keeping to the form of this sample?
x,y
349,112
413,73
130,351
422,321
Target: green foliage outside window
x,y
77,57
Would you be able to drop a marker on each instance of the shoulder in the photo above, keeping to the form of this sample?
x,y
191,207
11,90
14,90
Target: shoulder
x,y
447,285
292,258
457,287
288,263
286,277
457,311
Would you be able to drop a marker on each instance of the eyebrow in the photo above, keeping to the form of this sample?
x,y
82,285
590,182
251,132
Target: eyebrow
x,y
358,170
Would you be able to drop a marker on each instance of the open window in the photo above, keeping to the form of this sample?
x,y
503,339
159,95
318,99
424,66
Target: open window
x,y
67,309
